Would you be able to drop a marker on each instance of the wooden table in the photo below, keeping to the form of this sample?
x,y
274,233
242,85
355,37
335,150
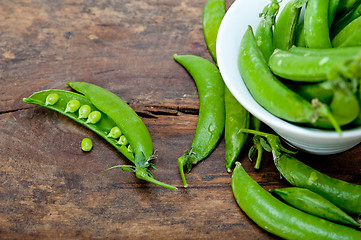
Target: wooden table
x,y
52,190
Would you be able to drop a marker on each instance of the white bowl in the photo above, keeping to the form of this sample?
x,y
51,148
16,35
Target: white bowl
x,y
241,14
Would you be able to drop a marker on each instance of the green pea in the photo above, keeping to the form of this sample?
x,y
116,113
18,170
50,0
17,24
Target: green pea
x,y
86,145
115,132
72,106
94,117
130,149
84,111
51,99
123,140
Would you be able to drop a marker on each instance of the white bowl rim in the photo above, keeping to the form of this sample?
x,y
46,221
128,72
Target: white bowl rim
x,y
252,106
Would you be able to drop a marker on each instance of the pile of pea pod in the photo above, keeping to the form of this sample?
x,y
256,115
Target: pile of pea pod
x,y
314,91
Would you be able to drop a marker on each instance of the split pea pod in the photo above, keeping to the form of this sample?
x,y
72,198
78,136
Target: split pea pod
x,y
213,13
102,127
270,92
349,35
312,203
316,24
286,23
279,218
211,119
237,117
264,31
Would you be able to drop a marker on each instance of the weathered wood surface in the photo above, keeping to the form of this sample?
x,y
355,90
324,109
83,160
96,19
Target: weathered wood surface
x,y
51,189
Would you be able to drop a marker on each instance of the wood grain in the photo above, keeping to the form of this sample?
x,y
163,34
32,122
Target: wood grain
x,y
52,190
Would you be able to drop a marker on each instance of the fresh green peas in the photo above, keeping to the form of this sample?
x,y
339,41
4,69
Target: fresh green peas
x,y
94,117
51,99
279,218
72,106
86,144
115,132
123,140
84,111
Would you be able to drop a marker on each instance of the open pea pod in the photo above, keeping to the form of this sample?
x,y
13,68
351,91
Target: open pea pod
x,y
107,122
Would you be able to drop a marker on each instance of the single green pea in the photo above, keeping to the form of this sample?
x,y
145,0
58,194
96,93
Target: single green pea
x,y
115,132
130,149
51,99
94,117
84,111
72,106
123,140
86,145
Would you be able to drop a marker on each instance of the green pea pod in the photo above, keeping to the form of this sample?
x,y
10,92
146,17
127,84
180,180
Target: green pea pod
x,y
237,117
345,6
349,36
344,195
270,92
316,24
345,51
101,128
345,20
257,143
211,119
332,10
264,31
279,218
300,35
323,91
312,203
311,68
213,13
286,23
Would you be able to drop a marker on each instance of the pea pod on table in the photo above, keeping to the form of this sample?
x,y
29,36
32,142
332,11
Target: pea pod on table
x,y
110,111
346,196
211,119
279,218
315,204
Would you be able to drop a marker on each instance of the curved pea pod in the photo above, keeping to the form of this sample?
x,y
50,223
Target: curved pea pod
x,y
316,24
130,124
310,68
341,23
270,92
213,13
102,127
313,203
264,31
349,35
286,24
279,218
344,195
211,119
237,117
